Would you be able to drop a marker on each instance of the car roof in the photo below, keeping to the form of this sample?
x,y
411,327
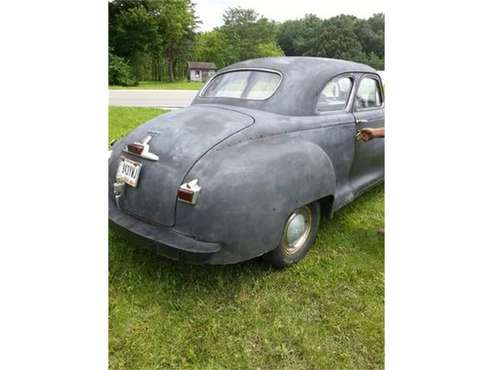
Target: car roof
x,y
308,65
303,80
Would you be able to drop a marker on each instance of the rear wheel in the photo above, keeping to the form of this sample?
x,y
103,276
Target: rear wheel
x,y
299,233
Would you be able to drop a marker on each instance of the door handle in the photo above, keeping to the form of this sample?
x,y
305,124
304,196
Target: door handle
x,y
361,121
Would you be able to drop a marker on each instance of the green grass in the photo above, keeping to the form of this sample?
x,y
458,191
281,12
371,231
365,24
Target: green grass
x,y
158,85
327,312
123,119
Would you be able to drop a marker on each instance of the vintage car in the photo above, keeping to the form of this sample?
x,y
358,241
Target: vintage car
x,y
242,172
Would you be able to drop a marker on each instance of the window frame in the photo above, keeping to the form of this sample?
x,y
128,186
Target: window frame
x,y
372,76
204,89
349,75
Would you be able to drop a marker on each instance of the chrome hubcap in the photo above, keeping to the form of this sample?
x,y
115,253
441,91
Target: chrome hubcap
x,y
297,229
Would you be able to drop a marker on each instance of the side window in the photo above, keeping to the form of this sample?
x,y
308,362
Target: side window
x,y
335,95
368,95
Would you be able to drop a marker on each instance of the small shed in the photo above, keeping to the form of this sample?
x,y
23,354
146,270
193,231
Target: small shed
x,y
200,71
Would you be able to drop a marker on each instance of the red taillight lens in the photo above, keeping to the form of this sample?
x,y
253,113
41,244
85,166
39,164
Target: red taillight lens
x,y
135,148
184,195
189,192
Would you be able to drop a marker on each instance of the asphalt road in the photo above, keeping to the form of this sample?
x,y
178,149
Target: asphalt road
x,y
151,98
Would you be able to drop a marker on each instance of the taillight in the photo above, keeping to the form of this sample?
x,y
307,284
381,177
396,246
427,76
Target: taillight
x,y
135,148
189,192
142,149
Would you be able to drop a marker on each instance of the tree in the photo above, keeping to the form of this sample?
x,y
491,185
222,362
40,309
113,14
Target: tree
x,y
176,23
154,38
371,34
211,47
244,35
288,31
133,29
156,32
119,72
338,39
133,32
300,37
341,37
269,49
244,30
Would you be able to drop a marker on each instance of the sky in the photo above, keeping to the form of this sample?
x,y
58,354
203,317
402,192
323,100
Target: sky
x,y
211,11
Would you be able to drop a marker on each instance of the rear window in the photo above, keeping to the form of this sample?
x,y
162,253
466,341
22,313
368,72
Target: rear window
x,y
257,85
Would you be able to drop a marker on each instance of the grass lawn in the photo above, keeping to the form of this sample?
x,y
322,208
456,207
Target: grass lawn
x,y
157,85
325,312
123,119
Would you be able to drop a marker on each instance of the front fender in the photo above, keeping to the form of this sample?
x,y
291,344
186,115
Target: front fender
x,y
249,190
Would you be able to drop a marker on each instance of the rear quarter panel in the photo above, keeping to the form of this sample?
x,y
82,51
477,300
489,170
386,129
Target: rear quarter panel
x,y
249,190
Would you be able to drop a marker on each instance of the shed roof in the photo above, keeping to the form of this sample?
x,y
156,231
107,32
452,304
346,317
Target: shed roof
x,y
201,65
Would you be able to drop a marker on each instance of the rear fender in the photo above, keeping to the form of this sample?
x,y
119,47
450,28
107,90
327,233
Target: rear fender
x,y
249,190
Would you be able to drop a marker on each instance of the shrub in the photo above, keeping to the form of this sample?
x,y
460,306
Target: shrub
x,y
120,72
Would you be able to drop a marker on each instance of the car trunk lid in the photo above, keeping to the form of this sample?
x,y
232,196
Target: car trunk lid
x,y
179,139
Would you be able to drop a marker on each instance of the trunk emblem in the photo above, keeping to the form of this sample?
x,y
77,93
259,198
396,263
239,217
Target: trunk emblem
x,y
141,149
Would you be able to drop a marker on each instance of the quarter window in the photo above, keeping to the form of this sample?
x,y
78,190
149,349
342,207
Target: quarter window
x,y
368,95
335,95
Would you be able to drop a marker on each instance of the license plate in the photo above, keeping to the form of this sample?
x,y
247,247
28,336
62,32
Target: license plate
x,y
129,171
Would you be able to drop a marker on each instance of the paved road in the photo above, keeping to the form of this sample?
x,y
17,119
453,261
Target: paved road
x,y
152,98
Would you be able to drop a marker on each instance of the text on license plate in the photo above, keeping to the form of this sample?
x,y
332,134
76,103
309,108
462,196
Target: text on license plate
x,y
128,171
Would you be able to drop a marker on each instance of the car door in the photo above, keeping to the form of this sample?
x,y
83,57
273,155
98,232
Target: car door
x,y
368,109
336,137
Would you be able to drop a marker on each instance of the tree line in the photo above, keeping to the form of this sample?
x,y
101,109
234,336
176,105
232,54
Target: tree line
x,y
153,39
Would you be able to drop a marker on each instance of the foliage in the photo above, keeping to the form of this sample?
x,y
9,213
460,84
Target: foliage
x,y
244,35
157,37
268,49
211,47
326,312
159,32
119,72
176,23
133,29
373,39
246,31
300,37
340,37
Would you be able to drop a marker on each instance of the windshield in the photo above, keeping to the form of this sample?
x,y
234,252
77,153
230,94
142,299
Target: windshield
x,y
257,85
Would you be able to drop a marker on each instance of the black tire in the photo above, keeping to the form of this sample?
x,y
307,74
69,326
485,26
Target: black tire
x,y
287,254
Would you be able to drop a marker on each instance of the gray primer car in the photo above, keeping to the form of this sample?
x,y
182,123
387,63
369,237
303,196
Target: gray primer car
x,y
259,149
